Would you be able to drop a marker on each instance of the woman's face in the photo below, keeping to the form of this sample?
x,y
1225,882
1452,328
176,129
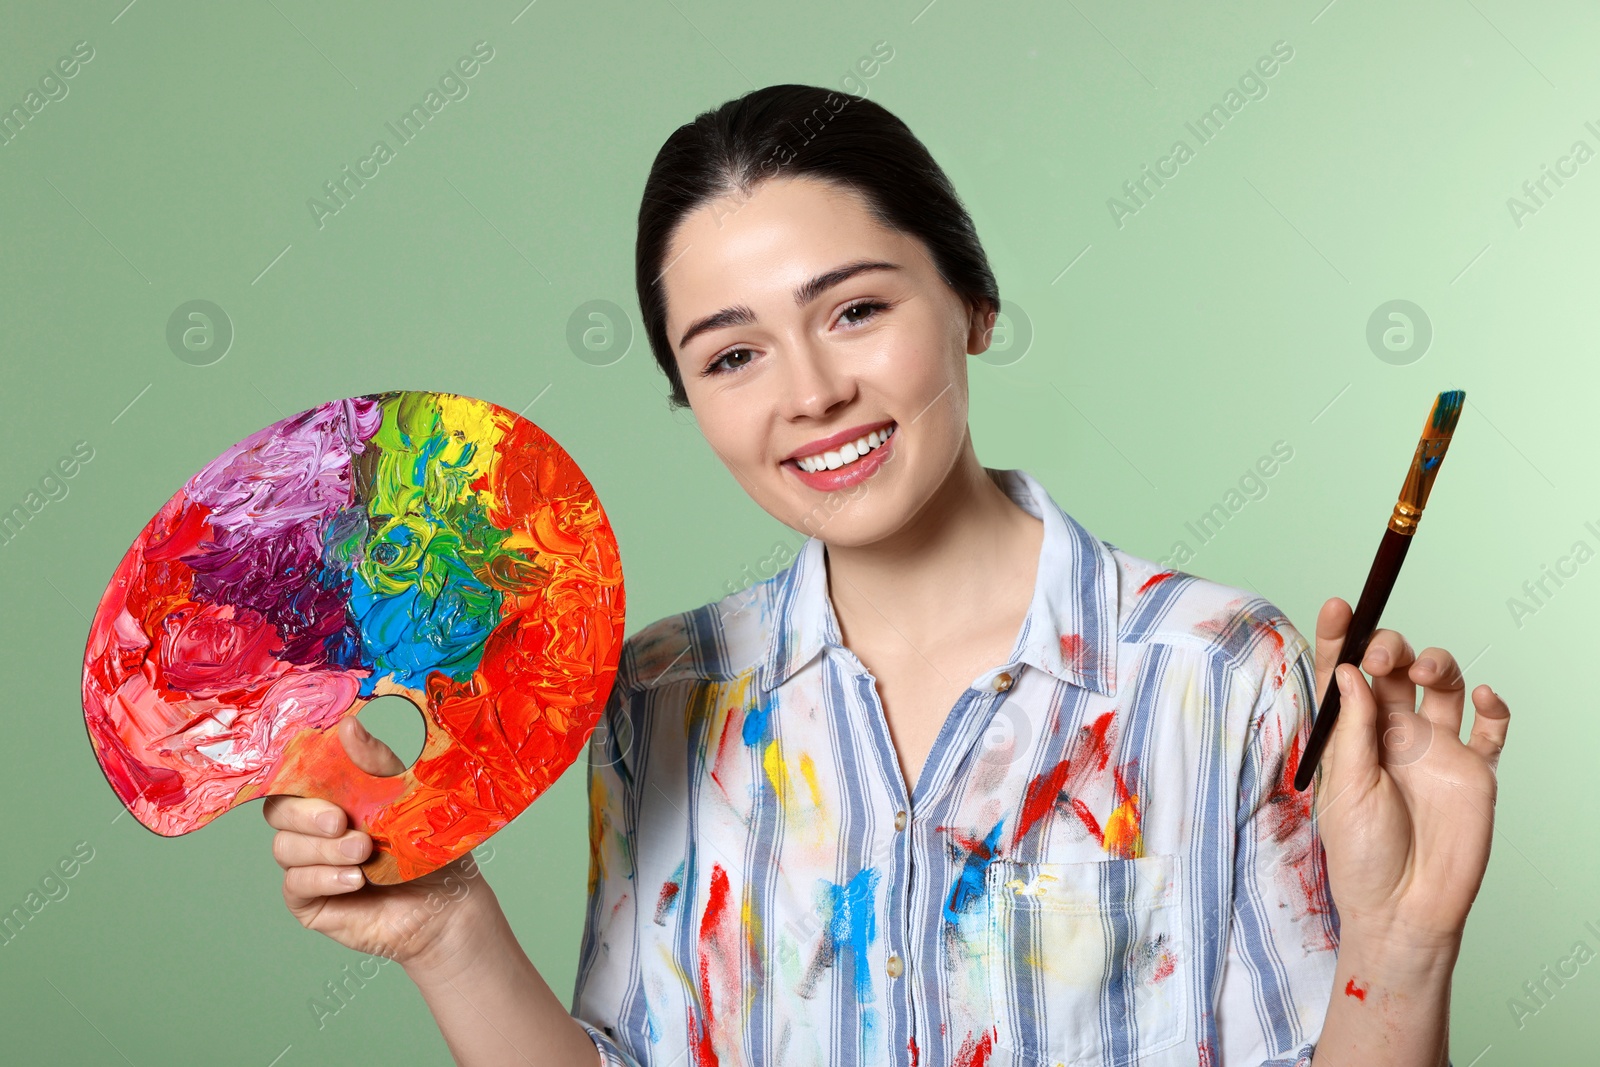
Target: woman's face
x,y
822,354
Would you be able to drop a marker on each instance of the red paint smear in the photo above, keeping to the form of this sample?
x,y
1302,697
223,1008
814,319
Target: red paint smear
x,y
719,945
1090,755
1090,823
1155,580
1040,798
1165,968
973,845
722,747
1287,816
183,538
975,1053
911,1046
669,892
1074,653
1353,990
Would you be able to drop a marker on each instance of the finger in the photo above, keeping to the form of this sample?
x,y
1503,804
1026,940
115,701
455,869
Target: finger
x,y
305,886
304,815
1491,718
1333,621
1443,688
1388,659
290,849
1353,748
366,751
1387,651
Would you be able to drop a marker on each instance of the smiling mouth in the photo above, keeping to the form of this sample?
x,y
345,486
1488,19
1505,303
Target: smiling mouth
x,y
846,454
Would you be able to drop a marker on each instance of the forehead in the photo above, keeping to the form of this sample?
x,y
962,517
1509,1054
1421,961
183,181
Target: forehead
x,y
777,235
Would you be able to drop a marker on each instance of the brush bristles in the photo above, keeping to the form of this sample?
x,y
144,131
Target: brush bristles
x,y
1446,413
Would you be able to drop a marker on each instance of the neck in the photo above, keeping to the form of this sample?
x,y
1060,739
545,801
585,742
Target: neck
x,y
969,545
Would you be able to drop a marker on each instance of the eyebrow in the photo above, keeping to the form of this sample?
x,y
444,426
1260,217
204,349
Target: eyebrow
x,y
741,315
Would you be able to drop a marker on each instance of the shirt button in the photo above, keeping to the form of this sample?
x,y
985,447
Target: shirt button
x,y
1003,682
894,966
900,820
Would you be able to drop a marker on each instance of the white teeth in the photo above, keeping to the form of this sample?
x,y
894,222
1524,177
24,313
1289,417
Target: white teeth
x,y
846,454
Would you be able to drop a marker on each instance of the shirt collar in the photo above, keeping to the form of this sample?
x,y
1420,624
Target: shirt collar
x,y
1070,631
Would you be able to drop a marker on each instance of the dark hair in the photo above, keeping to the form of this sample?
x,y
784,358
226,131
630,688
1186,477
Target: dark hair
x,y
793,130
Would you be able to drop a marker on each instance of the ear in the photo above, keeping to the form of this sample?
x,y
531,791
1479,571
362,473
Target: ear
x,y
980,326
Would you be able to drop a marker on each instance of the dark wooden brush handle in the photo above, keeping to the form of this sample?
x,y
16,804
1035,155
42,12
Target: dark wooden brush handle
x,y
1363,621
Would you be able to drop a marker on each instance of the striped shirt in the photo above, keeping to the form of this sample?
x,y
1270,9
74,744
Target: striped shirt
x,y
1102,861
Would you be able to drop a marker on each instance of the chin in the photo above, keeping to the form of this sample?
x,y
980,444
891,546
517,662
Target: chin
x,y
862,515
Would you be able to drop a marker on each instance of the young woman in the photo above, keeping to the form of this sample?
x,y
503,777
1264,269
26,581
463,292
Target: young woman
x,y
964,784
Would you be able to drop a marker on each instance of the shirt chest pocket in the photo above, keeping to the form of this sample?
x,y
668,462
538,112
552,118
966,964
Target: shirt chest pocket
x,y
1088,965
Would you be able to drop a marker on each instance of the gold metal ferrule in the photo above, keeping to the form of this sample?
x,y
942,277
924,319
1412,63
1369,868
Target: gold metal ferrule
x,y
1419,482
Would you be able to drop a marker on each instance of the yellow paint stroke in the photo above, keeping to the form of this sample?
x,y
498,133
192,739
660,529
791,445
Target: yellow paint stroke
x,y
808,771
777,774
715,702
1123,836
597,831
677,969
1034,887
751,925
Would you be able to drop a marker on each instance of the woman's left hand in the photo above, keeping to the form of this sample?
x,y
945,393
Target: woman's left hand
x,y
1405,808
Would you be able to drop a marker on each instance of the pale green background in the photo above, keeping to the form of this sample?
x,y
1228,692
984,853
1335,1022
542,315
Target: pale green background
x,y
1226,315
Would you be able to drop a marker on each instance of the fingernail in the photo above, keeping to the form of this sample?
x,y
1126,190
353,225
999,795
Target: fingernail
x,y
1343,680
350,876
1427,664
352,847
1380,657
329,822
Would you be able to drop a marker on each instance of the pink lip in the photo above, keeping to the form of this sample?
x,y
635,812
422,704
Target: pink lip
x,y
826,444
827,481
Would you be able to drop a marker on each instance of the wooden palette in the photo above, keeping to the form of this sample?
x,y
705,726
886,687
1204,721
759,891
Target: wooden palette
x,y
418,543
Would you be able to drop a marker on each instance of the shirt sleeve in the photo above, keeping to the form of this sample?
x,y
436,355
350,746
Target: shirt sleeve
x,y
607,977
1284,935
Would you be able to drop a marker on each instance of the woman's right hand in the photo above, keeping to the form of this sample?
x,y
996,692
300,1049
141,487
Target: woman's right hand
x,y
421,923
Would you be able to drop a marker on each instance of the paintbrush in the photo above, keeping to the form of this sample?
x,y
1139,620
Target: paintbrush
x,y
1385,567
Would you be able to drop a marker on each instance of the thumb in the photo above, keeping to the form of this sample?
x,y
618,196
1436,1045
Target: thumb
x,y
366,751
1353,748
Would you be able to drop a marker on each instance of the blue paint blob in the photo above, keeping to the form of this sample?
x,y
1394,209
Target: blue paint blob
x,y
969,883
852,923
755,724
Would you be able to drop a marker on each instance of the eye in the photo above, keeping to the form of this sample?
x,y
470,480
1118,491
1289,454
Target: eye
x,y
730,360
861,310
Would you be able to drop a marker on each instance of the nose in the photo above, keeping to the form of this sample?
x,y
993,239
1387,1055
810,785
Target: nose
x,y
817,383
